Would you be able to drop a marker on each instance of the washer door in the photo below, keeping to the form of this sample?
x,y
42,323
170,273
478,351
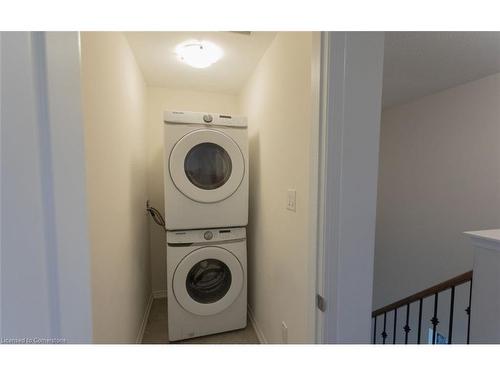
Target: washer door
x,y
208,280
206,166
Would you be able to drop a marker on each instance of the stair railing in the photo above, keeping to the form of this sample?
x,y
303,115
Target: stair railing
x,y
419,297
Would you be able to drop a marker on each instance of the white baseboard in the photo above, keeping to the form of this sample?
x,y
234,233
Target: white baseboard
x,y
255,325
160,293
140,335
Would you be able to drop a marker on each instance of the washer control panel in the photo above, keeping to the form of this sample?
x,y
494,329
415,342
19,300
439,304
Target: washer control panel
x,y
205,235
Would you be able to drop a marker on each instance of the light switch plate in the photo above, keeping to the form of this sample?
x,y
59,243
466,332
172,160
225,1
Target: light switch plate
x,y
291,200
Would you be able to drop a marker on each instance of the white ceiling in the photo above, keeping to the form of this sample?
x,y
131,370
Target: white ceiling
x,y
155,54
421,63
415,63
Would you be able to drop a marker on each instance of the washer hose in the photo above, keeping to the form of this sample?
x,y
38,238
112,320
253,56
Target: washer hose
x,y
156,215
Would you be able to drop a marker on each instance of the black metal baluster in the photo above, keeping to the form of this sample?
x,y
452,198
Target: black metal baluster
x,y
394,328
467,310
407,327
452,303
384,333
434,319
419,321
375,330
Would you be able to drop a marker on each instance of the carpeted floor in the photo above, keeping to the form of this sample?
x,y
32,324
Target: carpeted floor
x,y
156,331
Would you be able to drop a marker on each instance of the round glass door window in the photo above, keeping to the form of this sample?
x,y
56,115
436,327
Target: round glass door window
x,y
208,281
208,166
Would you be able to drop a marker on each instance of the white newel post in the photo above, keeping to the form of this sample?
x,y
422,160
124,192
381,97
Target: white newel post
x,y
485,306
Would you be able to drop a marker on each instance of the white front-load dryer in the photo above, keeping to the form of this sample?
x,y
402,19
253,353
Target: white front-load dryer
x,y
205,170
207,282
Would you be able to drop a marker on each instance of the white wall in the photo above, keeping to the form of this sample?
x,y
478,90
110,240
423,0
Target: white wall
x,y
44,266
277,101
158,100
114,99
439,176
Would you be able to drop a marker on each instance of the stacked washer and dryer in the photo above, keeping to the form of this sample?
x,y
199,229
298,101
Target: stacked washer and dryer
x,y
206,208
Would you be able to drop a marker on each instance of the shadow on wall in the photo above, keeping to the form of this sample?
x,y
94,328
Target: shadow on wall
x,y
254,198
156,233
138,225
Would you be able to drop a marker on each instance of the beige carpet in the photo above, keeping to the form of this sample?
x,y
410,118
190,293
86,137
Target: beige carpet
x,y
156,331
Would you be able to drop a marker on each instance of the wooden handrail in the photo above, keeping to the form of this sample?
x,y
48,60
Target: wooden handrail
x,y
457,280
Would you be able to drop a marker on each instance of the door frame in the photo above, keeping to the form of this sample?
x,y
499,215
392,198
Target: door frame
x,y
347,73
46,256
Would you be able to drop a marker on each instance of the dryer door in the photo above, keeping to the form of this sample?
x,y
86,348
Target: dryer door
x,y
208,280
206,166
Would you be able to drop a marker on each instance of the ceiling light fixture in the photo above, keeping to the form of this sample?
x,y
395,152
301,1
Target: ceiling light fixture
x,y
199,54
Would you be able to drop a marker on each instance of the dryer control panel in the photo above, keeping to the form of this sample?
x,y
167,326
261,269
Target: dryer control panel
x,y
213,119
205,235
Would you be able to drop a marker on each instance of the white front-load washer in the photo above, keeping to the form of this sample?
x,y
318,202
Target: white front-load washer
x,y
205,170
207,282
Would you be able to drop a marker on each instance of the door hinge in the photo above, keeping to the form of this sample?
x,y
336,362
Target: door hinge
x,y
320,303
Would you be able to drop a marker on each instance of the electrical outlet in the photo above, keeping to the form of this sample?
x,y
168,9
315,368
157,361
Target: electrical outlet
x,y
284,333
291,203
